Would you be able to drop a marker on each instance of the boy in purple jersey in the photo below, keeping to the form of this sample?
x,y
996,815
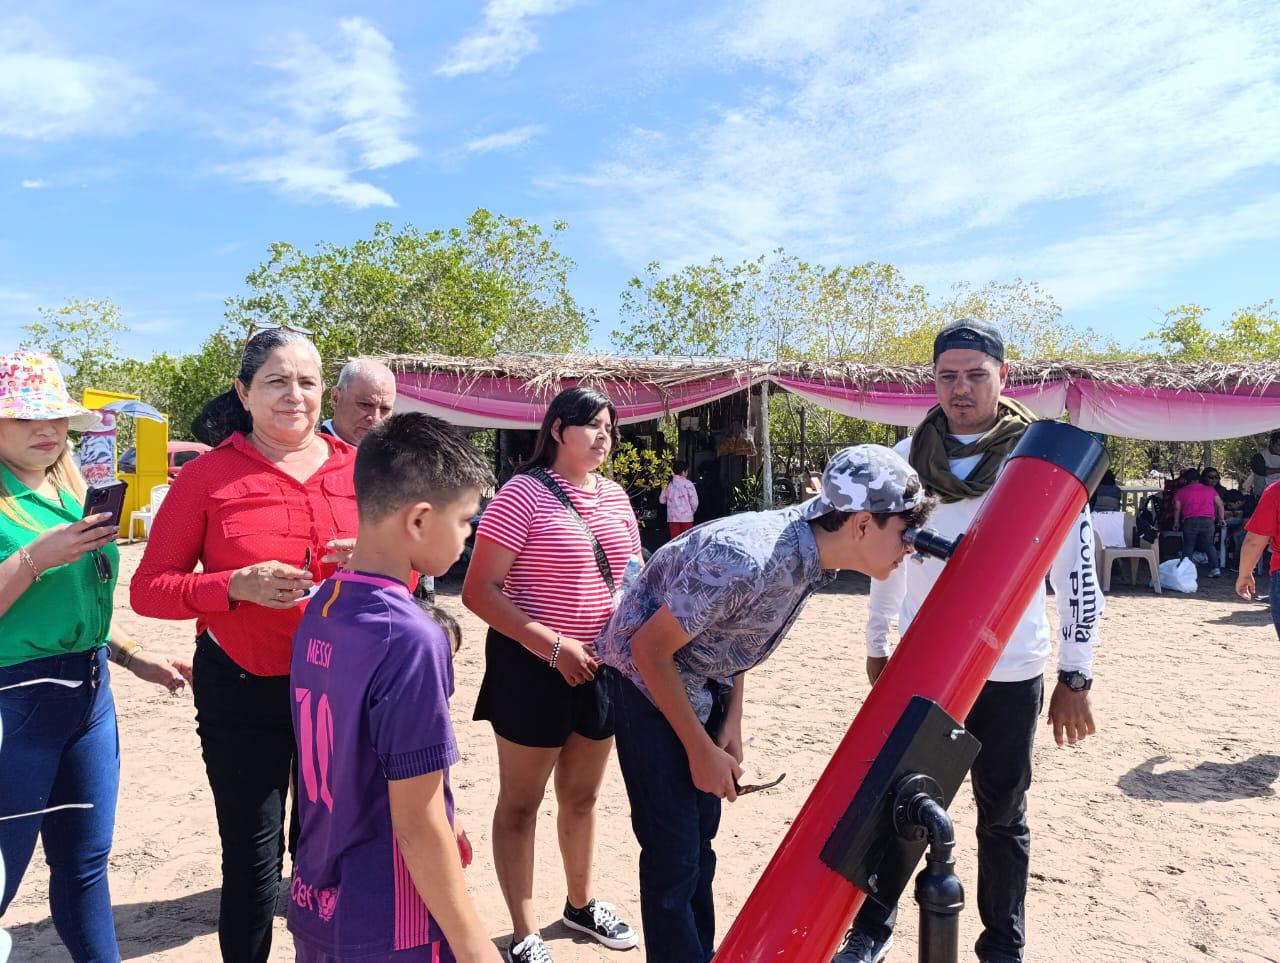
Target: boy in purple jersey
x,y
378,874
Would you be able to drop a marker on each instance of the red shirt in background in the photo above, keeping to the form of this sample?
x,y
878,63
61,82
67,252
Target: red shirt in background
x,y
1265,520
230,508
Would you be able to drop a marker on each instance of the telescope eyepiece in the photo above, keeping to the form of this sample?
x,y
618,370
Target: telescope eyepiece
x,y
925,541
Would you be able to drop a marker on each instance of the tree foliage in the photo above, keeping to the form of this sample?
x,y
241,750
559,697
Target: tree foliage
x,y
781,306
82,335
497,283
1187,335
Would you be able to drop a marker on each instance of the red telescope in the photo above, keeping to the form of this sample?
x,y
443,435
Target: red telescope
x,y
801,907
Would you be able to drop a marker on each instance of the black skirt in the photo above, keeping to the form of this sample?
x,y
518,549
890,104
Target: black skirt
x,y
530,704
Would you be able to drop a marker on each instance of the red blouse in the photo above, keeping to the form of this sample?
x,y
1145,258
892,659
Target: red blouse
x,y
230,508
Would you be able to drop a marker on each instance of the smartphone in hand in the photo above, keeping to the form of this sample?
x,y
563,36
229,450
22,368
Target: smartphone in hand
x,y
106,498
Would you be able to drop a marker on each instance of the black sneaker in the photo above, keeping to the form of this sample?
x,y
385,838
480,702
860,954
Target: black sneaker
x,y
531,949
597,919
861,948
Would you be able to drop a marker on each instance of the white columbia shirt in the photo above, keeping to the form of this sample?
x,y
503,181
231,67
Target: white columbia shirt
x,y
1075,586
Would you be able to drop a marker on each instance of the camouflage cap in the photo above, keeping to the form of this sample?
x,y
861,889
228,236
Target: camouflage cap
x,y
865,478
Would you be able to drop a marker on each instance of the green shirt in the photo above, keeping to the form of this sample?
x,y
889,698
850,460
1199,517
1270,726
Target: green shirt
x,y
69,609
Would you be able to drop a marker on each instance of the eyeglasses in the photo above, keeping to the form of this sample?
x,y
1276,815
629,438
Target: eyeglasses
x,y
756,787
103,566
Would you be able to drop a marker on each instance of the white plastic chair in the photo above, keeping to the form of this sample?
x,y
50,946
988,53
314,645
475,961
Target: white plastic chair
x,y
1149,552
148,514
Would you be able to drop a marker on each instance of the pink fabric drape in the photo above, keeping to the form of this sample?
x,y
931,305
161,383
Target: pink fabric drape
x,y
1131,412
1161,414
506,403
898,405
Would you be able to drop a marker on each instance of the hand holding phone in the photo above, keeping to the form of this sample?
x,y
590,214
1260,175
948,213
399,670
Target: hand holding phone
x,y
106,499
65,544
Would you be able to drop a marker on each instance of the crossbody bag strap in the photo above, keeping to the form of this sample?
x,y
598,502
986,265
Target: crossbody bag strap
x,y
602,560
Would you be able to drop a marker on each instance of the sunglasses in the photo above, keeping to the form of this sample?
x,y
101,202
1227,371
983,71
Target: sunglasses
x,y
267,326
103,566
756,787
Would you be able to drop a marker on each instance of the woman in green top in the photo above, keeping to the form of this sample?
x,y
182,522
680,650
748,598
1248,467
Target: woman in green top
x,y
59,752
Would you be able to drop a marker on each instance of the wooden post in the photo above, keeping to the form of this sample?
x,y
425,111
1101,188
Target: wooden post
x,y
804,455
766,455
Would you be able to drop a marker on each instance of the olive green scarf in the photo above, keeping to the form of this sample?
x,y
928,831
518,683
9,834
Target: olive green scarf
x,y
933,447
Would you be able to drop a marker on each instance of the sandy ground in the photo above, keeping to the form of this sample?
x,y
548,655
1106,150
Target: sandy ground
x,y
1156,840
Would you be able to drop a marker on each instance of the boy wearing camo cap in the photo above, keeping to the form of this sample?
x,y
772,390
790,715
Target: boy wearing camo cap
x,y
708,607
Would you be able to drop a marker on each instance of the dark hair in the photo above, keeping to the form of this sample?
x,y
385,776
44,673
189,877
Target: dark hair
x,y
679,467
1108,477
413,458
1188,476
1209,471
835,519
449,624
573,407
1275,436
226,414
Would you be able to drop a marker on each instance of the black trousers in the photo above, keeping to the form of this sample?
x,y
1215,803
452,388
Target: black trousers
x,y
246,737
1004,719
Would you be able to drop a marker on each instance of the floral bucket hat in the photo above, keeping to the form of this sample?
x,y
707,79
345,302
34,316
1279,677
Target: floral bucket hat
x,y
31,388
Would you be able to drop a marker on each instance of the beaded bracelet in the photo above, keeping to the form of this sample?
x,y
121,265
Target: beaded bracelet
x,y
555,652
31,563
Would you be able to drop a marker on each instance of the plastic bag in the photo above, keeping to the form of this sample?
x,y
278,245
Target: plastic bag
x,y
1178,575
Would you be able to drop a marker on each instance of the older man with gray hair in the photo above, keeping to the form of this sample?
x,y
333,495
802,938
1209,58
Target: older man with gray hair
x,y
365,395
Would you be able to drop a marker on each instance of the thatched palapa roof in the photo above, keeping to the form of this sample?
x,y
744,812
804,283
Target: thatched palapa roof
x,y
542,374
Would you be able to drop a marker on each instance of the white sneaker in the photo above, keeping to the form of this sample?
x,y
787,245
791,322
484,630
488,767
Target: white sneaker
x,y
531,949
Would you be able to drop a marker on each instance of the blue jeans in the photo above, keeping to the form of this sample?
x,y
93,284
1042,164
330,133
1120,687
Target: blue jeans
x,y
60,746
1274,600
674,823
1004,719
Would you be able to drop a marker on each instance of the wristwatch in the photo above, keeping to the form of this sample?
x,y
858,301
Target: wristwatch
x,y
1075,681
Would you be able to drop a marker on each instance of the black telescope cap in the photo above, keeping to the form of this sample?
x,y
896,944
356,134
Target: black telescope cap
x,y
1066,446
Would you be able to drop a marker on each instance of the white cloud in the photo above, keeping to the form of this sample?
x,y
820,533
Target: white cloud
x,y
34,184
343,112
506,139
48,94
1089,269
866,130
504,39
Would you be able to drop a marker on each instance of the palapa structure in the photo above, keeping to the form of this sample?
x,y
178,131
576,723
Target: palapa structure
x,y
1202,401
1144,399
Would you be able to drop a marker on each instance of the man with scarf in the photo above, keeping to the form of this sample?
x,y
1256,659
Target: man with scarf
x,y
958,451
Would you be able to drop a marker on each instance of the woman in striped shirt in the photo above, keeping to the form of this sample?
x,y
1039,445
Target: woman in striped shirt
x,y
549,556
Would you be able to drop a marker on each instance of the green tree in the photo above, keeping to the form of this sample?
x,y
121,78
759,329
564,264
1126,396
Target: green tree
x,y
82,335
1186,335
497,283
779,306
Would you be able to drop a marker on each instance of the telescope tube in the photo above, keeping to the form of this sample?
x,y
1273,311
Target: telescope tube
x,y
800,908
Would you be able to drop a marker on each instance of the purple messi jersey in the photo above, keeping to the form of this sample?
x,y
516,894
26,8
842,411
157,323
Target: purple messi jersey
x,y
371,676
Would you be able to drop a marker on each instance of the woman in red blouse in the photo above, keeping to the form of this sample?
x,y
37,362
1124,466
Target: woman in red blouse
x,y
536,579
244,533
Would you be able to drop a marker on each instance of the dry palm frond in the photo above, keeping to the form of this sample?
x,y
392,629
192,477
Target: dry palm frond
x,y
545,374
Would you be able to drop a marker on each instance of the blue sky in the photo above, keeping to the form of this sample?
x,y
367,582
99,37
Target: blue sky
x,y
1126,156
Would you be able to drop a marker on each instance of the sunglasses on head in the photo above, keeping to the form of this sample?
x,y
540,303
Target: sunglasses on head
x,y
266,326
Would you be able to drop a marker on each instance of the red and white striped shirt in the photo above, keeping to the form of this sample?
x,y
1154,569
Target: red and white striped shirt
x,y
555,578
